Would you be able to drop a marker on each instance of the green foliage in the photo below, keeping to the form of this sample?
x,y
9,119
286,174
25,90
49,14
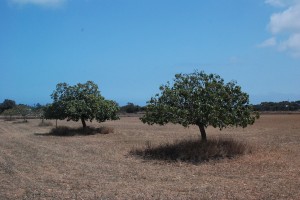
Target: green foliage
x,y
278,106
9,113
200,99
21,109
131,108
80,102
7,104
38,111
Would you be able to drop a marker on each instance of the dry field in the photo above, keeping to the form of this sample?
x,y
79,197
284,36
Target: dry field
x,y
34,165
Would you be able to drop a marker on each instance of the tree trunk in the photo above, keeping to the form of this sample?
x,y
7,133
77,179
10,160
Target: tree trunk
x,y
203,133
83,122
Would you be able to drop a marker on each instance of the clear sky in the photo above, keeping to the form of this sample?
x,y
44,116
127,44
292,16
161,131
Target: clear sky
x,y
131,47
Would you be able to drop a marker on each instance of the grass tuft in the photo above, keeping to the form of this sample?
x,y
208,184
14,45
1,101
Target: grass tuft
x,y
193,151
67,131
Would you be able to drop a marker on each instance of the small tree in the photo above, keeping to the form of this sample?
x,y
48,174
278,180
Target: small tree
x,y
38,110
10,113
54,111
80,102
200,99
23,110
20,110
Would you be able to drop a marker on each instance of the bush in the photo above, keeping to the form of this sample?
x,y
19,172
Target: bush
x,y
45,123
106,130
193,151
67,131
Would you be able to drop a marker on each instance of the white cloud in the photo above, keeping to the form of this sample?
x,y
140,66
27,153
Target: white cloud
x,y
271,42
281,3
288,20
45,3
284,27
278,3
292,44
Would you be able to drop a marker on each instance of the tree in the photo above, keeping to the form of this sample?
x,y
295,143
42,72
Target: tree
x,y
200,99
21,109
80,102
38,110
9,112
54,111
7,104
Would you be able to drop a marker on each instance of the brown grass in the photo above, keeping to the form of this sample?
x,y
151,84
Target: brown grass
x,y
99,166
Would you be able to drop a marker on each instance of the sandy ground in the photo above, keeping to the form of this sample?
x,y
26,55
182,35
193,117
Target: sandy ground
x,y
34,165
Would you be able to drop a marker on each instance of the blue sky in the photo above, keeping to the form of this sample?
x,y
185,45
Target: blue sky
x,y
131,47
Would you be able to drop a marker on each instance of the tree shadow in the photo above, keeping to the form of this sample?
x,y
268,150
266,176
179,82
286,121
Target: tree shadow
x,y
64,131
192,151
20,122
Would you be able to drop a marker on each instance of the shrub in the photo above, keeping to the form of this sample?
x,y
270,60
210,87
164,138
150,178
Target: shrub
x,y
106,130
43,123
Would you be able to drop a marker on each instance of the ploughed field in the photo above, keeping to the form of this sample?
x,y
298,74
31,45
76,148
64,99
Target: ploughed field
x,y
35,165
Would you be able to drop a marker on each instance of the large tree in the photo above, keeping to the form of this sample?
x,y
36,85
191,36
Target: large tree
x,y
80,102
200,99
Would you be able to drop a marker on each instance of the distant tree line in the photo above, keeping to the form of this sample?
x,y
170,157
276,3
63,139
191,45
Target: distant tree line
x,y
131,108
9,108
278,106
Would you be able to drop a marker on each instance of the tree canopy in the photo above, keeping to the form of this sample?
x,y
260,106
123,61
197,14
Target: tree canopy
x,y
7,104
200,99
80,102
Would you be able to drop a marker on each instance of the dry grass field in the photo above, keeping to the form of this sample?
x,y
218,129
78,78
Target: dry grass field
x,y
35,165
